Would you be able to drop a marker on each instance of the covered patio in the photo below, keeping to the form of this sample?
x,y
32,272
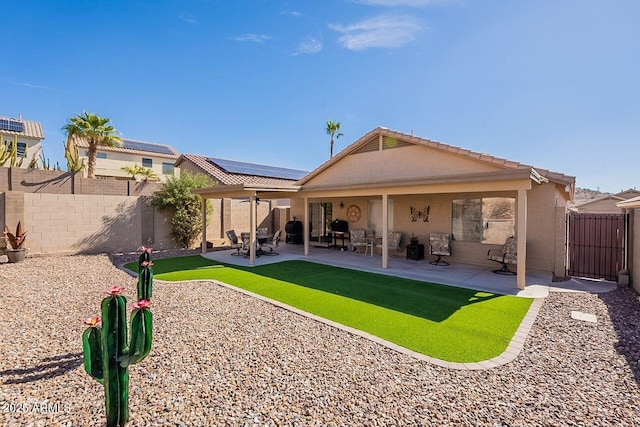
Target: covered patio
x,y
380,181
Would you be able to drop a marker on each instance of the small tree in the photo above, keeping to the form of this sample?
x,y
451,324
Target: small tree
x,y
176,197
331,129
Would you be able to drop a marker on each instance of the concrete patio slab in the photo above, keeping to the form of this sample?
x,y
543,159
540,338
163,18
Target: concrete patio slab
x,y
468,276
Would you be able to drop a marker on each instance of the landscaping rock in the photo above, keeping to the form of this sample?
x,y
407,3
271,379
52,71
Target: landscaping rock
x,y
220,357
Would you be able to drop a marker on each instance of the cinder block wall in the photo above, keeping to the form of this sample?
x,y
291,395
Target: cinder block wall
x,y
62,223
58,182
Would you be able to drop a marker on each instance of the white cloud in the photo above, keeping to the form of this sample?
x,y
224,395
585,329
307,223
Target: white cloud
x,y
309,46
414,3
35,86
382,31
292,13
188,18
253,38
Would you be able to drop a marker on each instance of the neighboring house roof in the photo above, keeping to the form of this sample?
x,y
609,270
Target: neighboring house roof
x,y
628,194
369,142
600,199
615,198
21,127
230,172
132,146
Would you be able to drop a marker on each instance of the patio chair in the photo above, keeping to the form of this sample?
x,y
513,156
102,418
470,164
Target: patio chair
x,y
358,241
245,237
274,244
507,255
439,245
393,242
235,244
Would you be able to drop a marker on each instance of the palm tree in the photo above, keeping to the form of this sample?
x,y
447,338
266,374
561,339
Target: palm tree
x,y
148,174
332,128
96,131
134,171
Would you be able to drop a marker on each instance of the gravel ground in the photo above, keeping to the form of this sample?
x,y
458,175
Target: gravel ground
x,y
222,358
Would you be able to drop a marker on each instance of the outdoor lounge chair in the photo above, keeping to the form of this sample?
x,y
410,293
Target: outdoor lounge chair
x,y
393,242
235,244
245,237
357,238
507,255
439,245
274,244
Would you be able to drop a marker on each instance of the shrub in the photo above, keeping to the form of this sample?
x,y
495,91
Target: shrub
x,y
176,197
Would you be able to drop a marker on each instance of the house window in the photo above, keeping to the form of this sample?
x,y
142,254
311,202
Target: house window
x,y
22,147
167,168
486,220
147,163
101,155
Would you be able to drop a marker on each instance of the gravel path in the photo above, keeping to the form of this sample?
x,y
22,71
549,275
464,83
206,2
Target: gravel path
x,y
222,358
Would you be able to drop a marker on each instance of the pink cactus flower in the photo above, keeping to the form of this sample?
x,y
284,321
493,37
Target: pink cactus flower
x,y
146,263
143,303
114,290
92,322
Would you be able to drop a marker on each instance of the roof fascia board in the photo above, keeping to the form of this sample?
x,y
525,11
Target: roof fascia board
x,y
245,190
458,178
630,203
441,186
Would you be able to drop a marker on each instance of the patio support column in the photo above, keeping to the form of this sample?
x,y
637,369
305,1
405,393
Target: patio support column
x,y
252,225
305,227
385,230
521,279
203,209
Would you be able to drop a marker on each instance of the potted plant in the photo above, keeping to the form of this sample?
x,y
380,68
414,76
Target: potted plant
x,y
17,252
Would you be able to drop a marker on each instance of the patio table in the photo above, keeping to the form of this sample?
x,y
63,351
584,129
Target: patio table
x,y
369,243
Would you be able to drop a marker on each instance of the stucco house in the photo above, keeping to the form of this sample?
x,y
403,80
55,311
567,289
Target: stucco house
x,y
391,181
231,213
607,204
26,134
110,160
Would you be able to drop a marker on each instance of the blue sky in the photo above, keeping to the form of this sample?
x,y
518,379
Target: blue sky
x,y
555,84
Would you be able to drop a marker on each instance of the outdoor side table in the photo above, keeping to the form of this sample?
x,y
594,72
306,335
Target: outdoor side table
x,y
415,252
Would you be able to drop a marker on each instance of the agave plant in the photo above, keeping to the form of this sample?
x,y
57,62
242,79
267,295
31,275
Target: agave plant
x,y
15,240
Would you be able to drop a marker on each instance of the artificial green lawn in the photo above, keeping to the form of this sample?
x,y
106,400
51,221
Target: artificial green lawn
x,y
448,323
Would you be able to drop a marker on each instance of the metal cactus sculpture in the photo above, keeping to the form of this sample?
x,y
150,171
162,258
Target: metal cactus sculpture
x,y
107,355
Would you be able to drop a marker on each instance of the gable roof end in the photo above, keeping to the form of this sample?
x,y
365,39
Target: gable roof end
x,y
538,175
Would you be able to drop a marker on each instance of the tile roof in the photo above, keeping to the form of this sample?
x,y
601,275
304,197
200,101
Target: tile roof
x,y
31,129
507,164
209,167
152,148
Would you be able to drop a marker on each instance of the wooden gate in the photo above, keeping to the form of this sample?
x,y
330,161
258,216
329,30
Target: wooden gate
x,y
596,245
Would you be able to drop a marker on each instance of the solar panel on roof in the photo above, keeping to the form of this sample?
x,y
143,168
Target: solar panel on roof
x,y
145,146
11,125
243,168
